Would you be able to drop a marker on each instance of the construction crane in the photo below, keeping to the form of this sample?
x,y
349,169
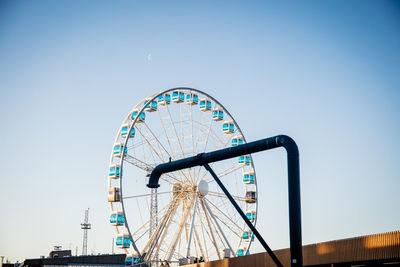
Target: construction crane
x,y
85,226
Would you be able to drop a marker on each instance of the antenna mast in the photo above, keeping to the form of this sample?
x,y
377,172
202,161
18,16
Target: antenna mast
x,y
85,226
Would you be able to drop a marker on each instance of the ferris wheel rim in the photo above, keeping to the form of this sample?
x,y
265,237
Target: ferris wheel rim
x,y
132,124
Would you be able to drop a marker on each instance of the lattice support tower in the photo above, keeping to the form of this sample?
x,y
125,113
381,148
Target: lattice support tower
x,y
85,226
153,212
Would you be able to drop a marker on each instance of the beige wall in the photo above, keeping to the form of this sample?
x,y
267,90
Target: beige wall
x,y
364,248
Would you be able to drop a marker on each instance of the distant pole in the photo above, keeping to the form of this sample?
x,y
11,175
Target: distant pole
x,y
112,246
85,226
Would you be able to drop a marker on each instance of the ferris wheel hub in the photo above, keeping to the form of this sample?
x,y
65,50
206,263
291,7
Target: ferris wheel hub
x,y
203,188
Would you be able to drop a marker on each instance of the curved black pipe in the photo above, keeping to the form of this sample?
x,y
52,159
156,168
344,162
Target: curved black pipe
x,y
264,144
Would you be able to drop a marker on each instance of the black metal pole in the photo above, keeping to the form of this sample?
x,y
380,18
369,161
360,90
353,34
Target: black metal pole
x,y
253,147
239,210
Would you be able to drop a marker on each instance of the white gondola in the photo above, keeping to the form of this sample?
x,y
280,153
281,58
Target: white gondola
x,y
117,151
247,236
164,99
248,177
123,241
217,114
251,197
244,160
192,99
205,104
135,113
251,216
237,140
132,259
113,194
150,107
117,218
115,171
125,129
178,96
228,127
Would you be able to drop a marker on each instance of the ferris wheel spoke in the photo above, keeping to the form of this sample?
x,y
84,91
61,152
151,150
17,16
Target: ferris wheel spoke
x,y
205,145
150,145
215,194
165,133
203,172
209,226
160,144
226,217
226,172
192,217
143,234
140,228
198,241
147,167
181,121
149,247
220,141
176,133
158,155
158,141
179,230
219,228
193,151
199,130
147,195
202,231
163,220
164,231
140,212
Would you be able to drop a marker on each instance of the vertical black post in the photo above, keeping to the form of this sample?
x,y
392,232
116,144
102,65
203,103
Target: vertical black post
x,y
296,254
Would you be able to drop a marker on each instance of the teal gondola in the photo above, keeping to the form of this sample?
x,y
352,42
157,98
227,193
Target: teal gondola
x,y
123,241
248,177
150,107
117,218
228,127
115,171
141,118
117,151
164,99
217,114
192,99
178,96
237,141
205,104
125,129
131,260
244,160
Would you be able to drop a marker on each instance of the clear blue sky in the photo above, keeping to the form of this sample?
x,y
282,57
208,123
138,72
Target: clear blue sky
x,y
326,73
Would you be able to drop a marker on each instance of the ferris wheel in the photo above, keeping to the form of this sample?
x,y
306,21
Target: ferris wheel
x,y
188,216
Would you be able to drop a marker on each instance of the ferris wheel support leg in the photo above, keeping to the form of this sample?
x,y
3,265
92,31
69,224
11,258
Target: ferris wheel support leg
x,y
247,221
191,228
